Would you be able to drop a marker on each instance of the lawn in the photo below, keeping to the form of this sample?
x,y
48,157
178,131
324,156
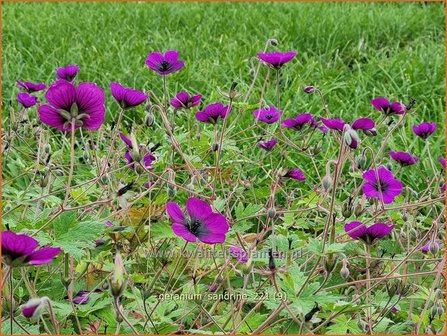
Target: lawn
x,y
288,207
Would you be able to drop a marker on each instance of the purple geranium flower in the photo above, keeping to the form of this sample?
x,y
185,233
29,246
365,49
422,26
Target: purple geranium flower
x,y
239,254
276,59
300,121
83,105
334,124
31,87
81,297
382,104
20,249
202,223
296,174
366,125
127,97
309,89
442,161
403,158
425,129
213,112
26,99
385,188
268,145
148,157
268,114
68,73
184,100
164,64
358,230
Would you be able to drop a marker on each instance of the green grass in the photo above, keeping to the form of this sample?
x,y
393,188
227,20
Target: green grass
x,y
352,51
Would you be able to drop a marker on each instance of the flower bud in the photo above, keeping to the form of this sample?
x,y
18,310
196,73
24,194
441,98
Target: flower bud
x,y
104,179
135,152
117,282
309,89
344,272
149,119
8,207
327,182
171,191
252,72
274,42
34,308
272,265
347,209
272,212
414,232
402,234
351,138
214,147
370,132
358,210
247,267
44,178
433,247
47,148
329,263
439,310
360,161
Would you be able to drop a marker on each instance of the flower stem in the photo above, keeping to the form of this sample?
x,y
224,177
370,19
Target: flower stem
x,y
118,309
72,154
368,285
278,100
11,298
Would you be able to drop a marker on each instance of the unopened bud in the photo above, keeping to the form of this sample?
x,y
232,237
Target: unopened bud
x,y
358,210
34,308
274,42
214,147
344,272
347,209
272,213
309,89
327,182
247,267
149,120
104,179
117,282
402,234
252,72
414,232
171,191
44,178
329,263
8,207
360,161
351,138
433,247
47,148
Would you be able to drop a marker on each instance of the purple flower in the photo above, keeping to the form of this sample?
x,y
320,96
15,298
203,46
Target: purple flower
x,y
68,73
34,307
164,64
202,223
127,97
358,230
81,297
366,125
31,87
109,223
84,105
403,158
424,130
239,254
20,249
26,99
268,145
147,156
300,121
382,104
426,247
295,174
385,188
309,89
442,161
334,124
184,100
213,112
276,59
268,114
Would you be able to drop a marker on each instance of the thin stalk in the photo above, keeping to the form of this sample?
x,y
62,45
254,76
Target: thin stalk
x,y
70,174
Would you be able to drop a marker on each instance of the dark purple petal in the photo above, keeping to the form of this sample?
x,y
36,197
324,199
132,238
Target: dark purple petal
x,y
175,213
381,104
425,129
269,114
61,95
277,59
43,256
26,99
126,140
127,97
197,209
357,233
67,73
90,99
363,124
17,245
31,87
49,116
239,254
403,158
296,174
335,124
268,145
442,161
379,230
181,231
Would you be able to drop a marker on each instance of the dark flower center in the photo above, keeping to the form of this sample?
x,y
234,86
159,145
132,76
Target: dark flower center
x,y
268,117
195,227
381,186
164,66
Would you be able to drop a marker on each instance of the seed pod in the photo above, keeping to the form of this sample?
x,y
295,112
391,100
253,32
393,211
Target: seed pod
x,y
327,182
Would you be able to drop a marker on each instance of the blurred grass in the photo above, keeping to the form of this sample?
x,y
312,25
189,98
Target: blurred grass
x,y
353,51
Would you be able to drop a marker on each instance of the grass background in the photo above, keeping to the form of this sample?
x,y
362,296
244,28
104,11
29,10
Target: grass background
x,y
353,51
